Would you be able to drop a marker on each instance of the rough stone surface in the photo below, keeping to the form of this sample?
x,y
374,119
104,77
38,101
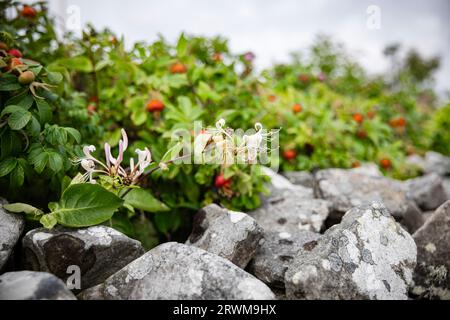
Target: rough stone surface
x,y
98,251
290,210
303,178
367,256
348,188
232,235
413,218
277,252
11,227
446,185
416,160
427,191
438,163
31,285
180,272
369,169
432,274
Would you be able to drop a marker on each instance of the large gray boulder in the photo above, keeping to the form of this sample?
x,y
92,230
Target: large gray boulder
x,y
432,274
437,163
427,191
303,178
290,210
31,285
367,256
348,188
11,227
277,252
229,234
180,272
446,185
98,251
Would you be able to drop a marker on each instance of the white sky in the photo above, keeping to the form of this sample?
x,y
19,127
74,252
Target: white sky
x,y
272,29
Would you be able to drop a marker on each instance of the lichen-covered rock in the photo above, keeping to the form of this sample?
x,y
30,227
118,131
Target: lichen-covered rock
x,y
180,272
98,251
348,188
232,235
277,252
11,227
427,191
367,256
31,285
432,274
438,163
303,178
290,210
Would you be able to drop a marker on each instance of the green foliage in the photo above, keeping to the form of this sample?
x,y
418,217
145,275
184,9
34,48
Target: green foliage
x,y
98,86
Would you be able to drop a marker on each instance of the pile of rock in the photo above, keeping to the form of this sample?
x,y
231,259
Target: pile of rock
x,y
334,234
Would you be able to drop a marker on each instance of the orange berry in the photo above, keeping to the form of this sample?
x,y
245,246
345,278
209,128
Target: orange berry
x,y
217,57
385,163
289,154
358,117
178,67
28,12
272,98
356,164
303,78
155,105
15,62
296,108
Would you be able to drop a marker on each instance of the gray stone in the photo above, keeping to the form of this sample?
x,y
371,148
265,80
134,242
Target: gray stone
x,y
348,188
417,161
277,252
446,185
232,235
11,227
369,169
367,256
303,178
413,218
290,210
31,285
438,163
432,274
98,251
180,272
427,191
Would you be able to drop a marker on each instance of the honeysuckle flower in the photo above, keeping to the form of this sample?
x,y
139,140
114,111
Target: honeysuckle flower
x,y
112,166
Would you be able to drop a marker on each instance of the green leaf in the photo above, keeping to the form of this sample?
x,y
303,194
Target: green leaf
x,y
11,109
7,165
142,199
19,119
10,143
86,204
139,117
79,63
48,220
44,111
8,82
55,161
54,77
23,208
16,177
74,133
182,46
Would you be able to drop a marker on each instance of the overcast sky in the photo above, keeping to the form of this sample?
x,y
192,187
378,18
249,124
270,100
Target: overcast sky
x,y
272,29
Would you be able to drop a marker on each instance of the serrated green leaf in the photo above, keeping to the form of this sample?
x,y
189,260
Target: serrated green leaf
x,y
44,111
55,161
7,165
142,199
54,77
86,204
19,119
